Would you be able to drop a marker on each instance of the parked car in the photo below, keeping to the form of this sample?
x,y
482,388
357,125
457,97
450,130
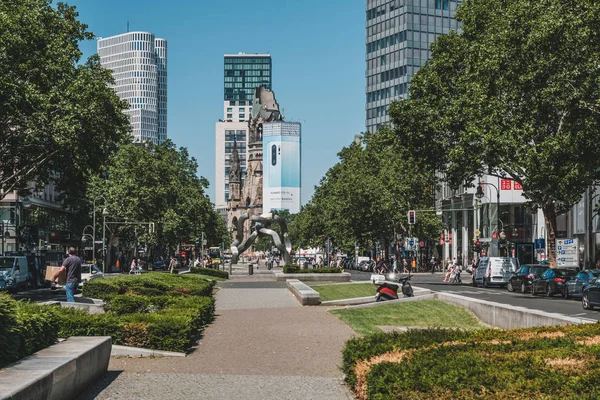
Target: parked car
x,y
159,264
89,272
575,286
521,280
552,281
14,273
494,271
591,295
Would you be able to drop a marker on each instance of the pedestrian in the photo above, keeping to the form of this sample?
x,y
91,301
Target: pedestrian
x,y
172,264
414,264
197,262
133,267
72,266
405,266
140,265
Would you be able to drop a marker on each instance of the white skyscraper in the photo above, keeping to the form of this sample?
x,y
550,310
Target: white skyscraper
x,y
139,64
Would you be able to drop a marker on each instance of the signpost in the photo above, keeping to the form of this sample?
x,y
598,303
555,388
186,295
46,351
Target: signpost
x,y
567,253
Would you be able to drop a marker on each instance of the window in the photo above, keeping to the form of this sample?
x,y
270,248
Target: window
x,y
229,115
229,109
383,59
242,103
242,116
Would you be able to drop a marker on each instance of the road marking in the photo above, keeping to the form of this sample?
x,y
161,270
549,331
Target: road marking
x,y
576,315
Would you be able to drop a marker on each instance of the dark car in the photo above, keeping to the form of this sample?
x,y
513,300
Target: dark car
x,y
575,286
591,295
521,280
158,264
552,281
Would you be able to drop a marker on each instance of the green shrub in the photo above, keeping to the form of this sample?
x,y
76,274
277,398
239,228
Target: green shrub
x,y
24,329
210,272
295,269
9,330
38,327
128,304
152,284
76,322
460,364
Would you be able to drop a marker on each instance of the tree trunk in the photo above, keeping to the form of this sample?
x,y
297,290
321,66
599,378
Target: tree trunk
x,y
550,219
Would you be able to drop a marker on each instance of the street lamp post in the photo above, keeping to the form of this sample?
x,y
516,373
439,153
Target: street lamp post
x,y
94,226
104,215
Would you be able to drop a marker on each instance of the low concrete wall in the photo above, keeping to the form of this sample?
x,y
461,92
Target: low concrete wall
x,y
340,277
127,351
509,317
306,295
94,307
62,371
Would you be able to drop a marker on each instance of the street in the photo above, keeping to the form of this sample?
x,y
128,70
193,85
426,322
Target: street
x,y
556,304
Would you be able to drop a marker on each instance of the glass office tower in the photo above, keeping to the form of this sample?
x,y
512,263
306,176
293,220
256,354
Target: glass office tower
x,y
399,34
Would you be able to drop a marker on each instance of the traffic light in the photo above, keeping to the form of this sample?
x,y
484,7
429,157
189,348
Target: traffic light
x,y
477,246
197,242
411,217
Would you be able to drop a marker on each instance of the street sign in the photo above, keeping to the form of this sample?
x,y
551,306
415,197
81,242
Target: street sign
x,y
88,248
98,242
411,242
567,255
204,242
477,232
485,239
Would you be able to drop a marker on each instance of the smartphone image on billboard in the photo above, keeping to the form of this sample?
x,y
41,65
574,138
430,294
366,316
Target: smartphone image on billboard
x,y
274,165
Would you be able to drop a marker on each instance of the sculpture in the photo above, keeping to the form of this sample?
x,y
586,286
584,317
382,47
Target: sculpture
x,y
261,227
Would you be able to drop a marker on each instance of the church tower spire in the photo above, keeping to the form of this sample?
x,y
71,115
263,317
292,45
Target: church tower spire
x,y
235,174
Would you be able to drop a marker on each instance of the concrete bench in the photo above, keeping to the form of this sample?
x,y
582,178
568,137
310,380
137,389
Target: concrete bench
x,y
310,277
62,371
306,295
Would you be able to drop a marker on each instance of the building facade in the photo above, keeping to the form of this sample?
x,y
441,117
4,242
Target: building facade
x,y
242,74
399,34
138,61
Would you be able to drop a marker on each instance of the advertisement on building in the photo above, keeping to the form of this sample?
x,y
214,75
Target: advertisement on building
x,y
281,166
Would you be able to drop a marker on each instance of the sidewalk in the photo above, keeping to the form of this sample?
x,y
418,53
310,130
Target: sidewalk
x,y
262,345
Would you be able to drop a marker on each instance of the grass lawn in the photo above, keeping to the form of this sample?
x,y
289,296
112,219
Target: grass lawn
x,y
349,291
424,313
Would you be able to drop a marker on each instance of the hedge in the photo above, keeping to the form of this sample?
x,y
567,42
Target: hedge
x,y
295,269
152,284
542,362
211,272
157,311
24,329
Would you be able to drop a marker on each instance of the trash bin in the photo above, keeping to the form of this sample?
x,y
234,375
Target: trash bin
x,y
269,266
305,265
250,269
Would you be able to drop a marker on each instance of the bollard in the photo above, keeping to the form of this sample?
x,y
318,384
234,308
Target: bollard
x,y
250,269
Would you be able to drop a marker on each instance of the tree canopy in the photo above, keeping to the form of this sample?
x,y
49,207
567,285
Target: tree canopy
x,y
58,119
158,183
516,95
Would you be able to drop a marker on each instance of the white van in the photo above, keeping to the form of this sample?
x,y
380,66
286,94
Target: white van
x,y
494,271
14,272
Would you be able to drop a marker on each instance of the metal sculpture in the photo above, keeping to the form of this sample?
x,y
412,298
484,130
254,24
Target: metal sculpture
x,y
261,227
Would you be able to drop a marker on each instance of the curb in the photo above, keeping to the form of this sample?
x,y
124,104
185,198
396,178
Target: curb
x,y
127,351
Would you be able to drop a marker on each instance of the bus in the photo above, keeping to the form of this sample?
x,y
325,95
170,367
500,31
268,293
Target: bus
x,y
215,254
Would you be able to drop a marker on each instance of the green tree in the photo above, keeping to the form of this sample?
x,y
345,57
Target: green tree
x,y
515,95
159,184
59,120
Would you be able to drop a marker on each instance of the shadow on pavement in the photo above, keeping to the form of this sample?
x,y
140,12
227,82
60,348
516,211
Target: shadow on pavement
x,y
102,384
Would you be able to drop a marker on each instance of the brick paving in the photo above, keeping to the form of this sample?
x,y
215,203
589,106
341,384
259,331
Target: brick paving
x,y
262,345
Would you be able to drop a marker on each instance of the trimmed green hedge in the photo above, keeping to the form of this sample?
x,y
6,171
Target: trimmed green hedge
x,y
295,269
540,362
24,329
151,284
157,311
211,272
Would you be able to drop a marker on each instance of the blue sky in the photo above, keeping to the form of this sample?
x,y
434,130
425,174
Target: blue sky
x,y
318,55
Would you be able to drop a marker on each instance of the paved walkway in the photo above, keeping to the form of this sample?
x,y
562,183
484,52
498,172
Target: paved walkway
x,y
262,345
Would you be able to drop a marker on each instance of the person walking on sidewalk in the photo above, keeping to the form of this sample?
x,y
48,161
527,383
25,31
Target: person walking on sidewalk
x,y
72,265
133,267
172,264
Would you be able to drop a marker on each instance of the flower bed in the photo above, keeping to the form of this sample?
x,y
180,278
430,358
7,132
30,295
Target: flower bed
x,y
542,362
